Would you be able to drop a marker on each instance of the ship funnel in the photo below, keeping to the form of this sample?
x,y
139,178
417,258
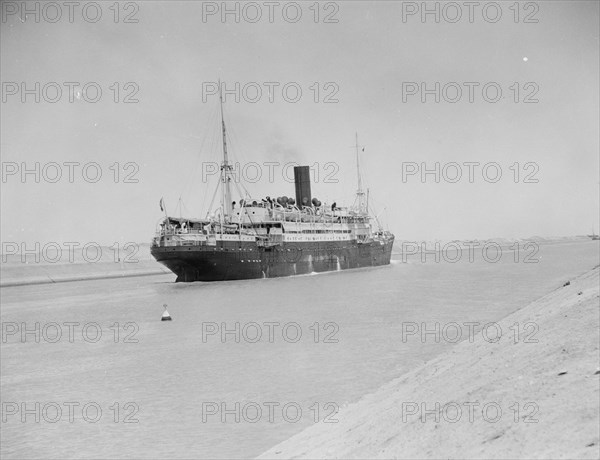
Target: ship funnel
x,y
302,181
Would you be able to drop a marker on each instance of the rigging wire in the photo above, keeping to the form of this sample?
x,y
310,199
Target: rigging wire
x,y
199,158
212,151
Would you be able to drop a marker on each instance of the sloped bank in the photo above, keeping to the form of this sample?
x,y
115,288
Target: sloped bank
x,y
21,270
79,272
548,393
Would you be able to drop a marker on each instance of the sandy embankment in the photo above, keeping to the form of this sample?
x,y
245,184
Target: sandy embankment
x,y
558,376
23,270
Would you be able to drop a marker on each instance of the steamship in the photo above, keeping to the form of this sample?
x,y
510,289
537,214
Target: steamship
x,y
267,238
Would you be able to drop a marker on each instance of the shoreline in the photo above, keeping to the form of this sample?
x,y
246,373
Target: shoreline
x,y
23,274
91,277
547,392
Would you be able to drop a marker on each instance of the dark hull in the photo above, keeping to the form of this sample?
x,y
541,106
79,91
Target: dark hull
x,y
232,261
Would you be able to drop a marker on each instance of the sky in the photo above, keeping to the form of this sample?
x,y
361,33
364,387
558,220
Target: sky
x,y
362,67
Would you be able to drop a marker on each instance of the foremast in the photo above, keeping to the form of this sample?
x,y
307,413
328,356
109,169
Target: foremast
x,y
361,199
226,168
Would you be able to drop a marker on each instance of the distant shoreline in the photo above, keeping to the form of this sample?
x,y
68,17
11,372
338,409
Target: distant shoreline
x,y
25,274
501,242
48,280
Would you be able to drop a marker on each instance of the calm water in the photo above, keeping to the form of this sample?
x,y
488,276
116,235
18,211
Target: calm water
x,y
171,371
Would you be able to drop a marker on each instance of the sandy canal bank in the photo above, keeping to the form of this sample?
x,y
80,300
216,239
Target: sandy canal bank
x,y
102,263
532,394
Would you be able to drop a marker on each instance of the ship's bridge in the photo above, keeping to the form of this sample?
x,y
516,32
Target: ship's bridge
x,y
251,213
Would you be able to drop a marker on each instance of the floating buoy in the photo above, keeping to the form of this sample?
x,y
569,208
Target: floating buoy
x,y
165,315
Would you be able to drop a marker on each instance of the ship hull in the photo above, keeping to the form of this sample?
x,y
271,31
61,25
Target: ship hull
x,y
232,261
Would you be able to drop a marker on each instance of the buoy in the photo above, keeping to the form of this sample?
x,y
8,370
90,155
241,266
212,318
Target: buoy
x,y
165,315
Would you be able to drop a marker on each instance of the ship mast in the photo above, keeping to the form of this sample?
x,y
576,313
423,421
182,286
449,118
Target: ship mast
x,y
225,166
360,194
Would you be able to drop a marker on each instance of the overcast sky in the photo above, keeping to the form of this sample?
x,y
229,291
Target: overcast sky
x,y
370,57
